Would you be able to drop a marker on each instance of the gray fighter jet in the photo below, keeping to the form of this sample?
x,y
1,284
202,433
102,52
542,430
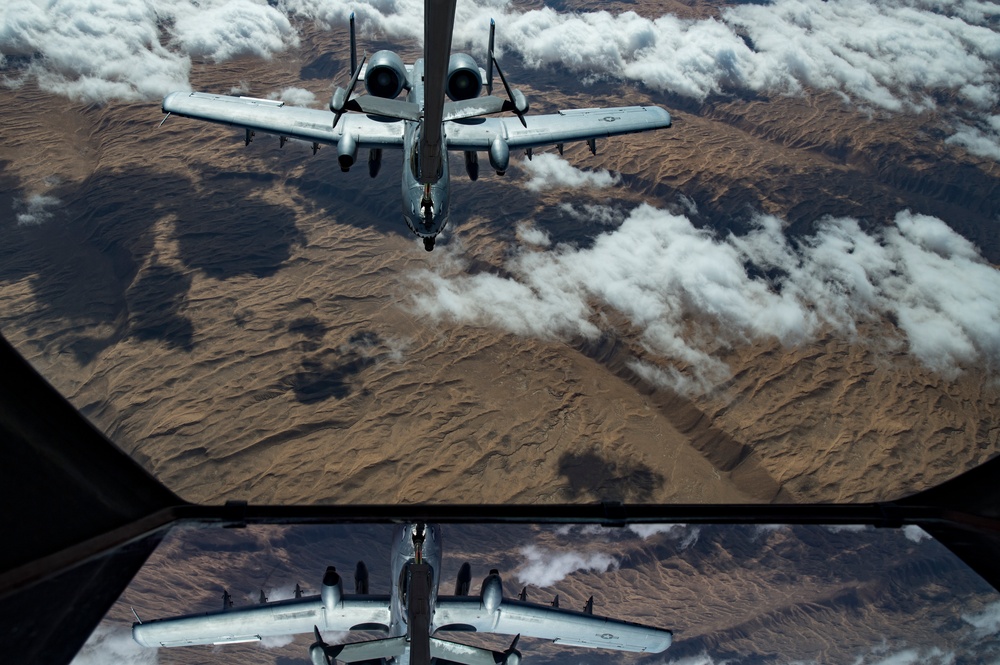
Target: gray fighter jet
x,y
410,618
423,125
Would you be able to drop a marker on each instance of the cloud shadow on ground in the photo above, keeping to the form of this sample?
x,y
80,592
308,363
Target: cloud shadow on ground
x,y
606,479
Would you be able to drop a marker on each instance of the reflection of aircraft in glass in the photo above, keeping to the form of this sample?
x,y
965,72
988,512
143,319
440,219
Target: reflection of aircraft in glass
x,y
410,617
424,126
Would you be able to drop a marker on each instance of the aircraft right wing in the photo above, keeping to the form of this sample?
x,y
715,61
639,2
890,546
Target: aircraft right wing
x,y
516,617
562,127
251,624
275,117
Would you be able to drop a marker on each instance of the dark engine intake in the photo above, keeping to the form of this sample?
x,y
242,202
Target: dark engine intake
x,y
464,79
385,75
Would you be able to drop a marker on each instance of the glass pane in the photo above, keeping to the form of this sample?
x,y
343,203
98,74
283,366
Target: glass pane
x,y
729,593
788,295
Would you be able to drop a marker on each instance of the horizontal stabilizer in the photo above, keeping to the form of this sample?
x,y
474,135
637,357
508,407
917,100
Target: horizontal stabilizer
x,y
390,108
471,108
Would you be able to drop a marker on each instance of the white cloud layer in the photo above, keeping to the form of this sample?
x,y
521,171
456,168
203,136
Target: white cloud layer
x,y
133,49
532,235
113,644
35,209
687,535
295,96
915,533
894,55
688,293
549,171
908,656
986,622
544,568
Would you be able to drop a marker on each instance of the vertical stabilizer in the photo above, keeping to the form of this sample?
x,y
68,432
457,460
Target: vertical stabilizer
x,y
489,59
354,48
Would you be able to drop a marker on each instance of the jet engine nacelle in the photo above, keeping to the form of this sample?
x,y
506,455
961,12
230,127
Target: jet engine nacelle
x,y
332,591
464,79
491,594
385,75
499,155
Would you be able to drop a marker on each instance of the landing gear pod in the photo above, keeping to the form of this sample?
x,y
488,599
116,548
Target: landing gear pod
x,y
374,161
499,155
491,594
361,578
472,164
464,580
347,151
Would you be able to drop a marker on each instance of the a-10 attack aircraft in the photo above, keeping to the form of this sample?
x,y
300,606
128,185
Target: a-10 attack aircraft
x,y
424,125
410,617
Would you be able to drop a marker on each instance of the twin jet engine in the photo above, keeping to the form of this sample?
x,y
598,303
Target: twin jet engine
x,y
385,76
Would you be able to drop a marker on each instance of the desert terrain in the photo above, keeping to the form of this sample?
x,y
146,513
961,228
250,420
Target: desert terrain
x,y
249,323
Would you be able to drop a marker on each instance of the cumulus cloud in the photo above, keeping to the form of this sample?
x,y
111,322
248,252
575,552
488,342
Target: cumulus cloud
x,y
591,212
908,656
982,140
915,533
896,55
35,209
689,293
532,235
986,622
687,535
700,659
544,568
649,530
548,171
133,49
110,643
221,30
847,528
884,53
295,96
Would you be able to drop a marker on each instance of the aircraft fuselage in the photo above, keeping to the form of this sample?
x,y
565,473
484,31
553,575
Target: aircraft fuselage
x,y
414,589
425,206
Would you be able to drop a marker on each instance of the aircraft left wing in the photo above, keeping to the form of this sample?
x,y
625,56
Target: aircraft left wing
x,y
516,617
251,624
275,117
562,127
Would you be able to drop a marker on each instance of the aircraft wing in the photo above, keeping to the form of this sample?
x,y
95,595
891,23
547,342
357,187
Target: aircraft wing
x,y
275,117
250,624
515,617
561,127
